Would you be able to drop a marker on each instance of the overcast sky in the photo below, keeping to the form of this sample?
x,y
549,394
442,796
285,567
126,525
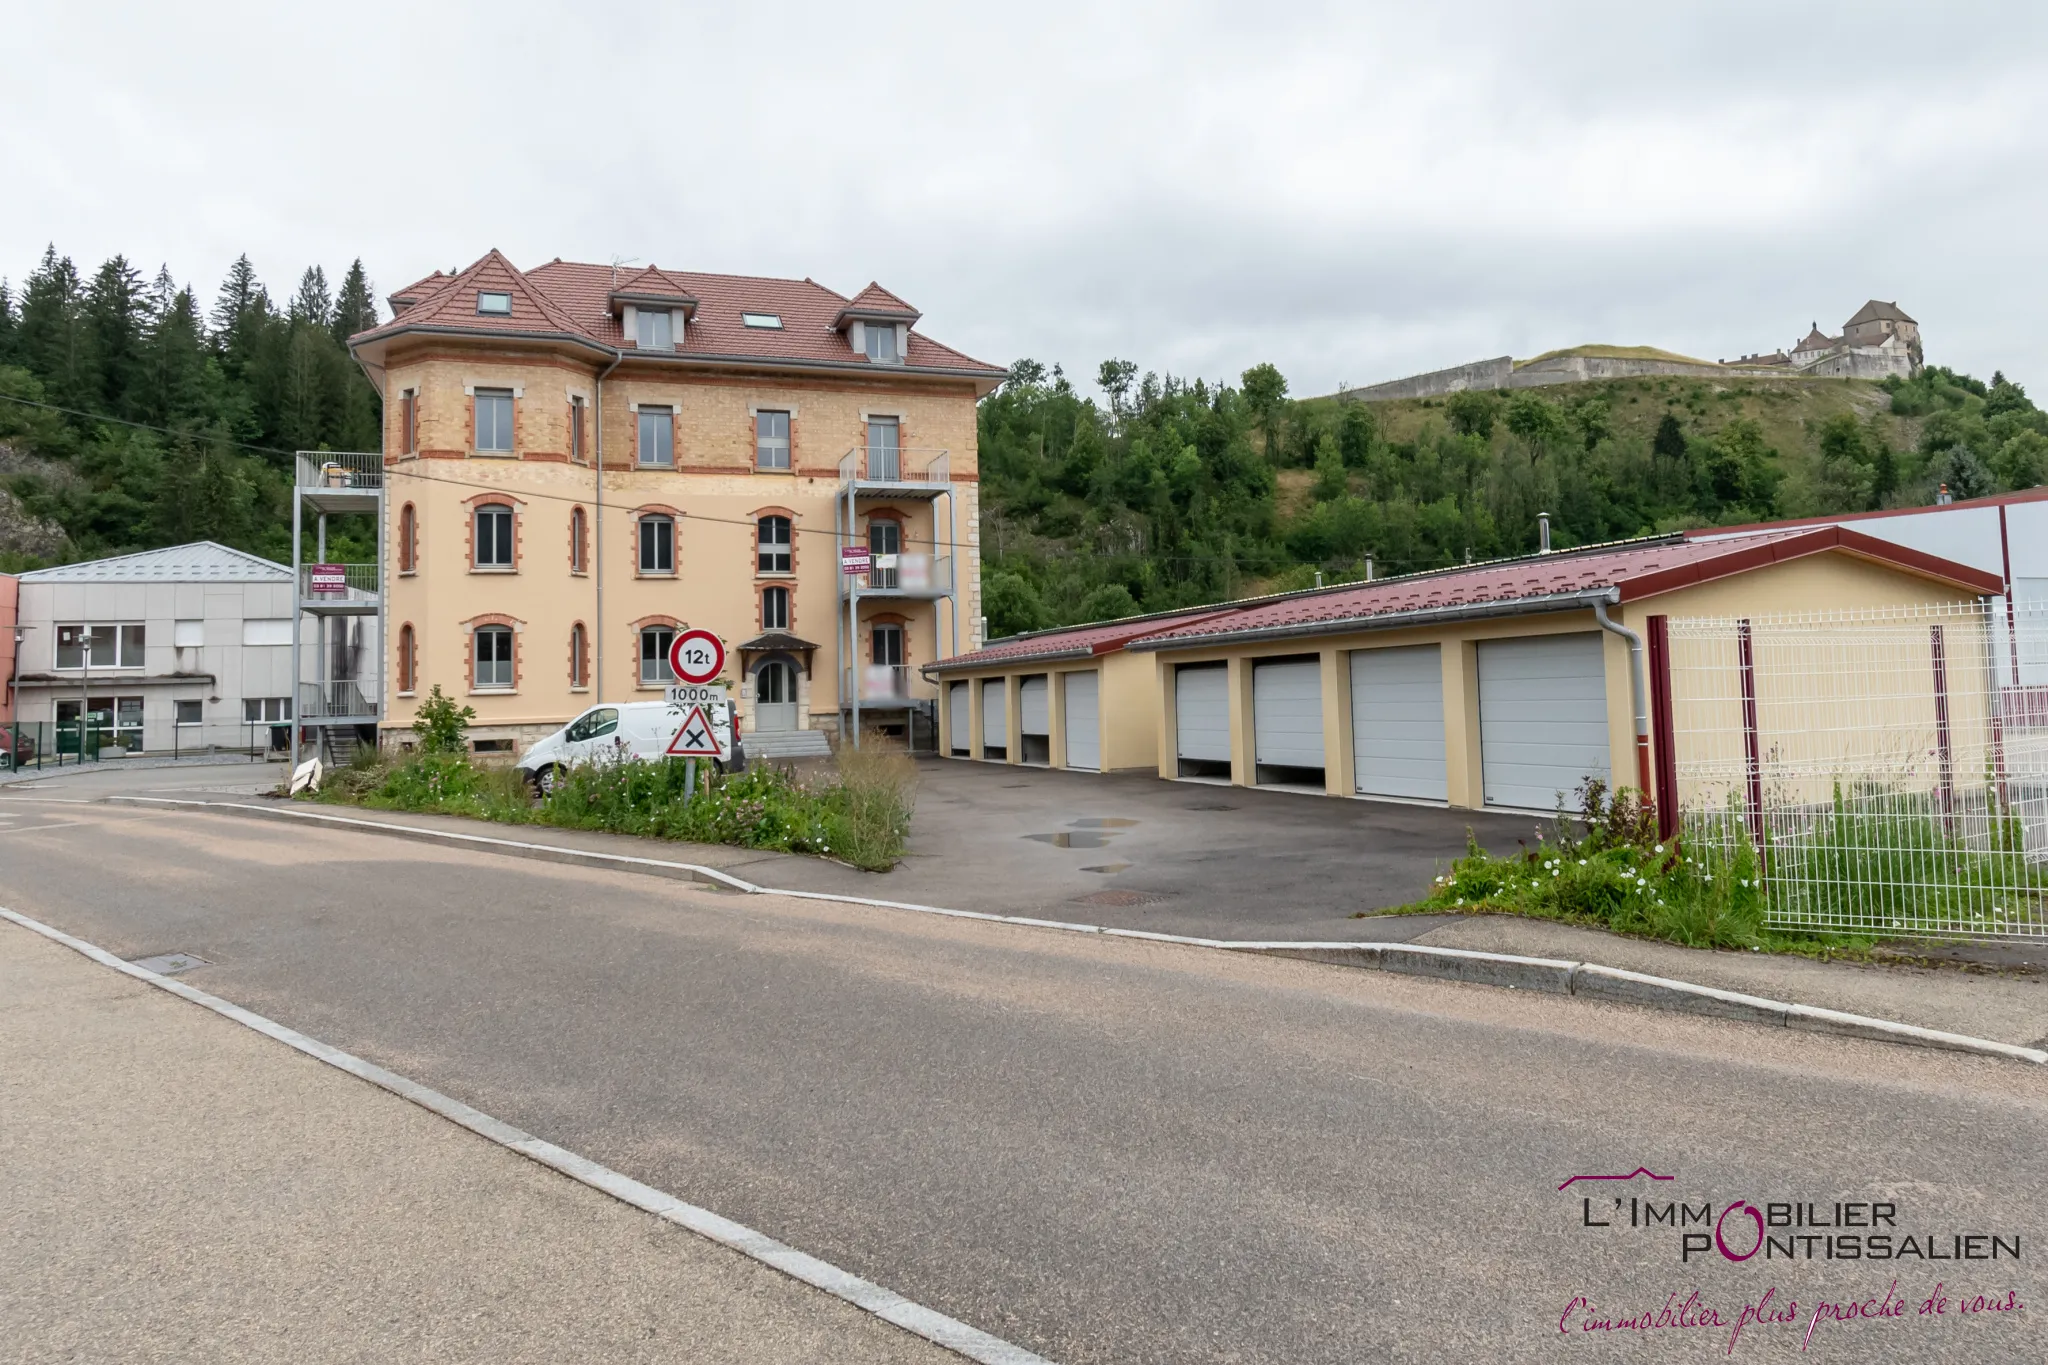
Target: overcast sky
x,y
1354,192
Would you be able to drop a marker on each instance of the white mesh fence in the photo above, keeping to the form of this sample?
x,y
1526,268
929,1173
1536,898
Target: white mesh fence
x,y
1891,765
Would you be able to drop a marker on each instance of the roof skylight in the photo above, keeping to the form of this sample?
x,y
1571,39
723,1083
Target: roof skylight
x,y
498,303
771,320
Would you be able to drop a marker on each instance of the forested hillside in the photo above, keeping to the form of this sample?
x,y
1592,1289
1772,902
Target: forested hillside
x,y
1176,493
131,416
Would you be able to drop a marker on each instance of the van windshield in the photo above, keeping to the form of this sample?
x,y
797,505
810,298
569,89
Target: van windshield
x,y
600,721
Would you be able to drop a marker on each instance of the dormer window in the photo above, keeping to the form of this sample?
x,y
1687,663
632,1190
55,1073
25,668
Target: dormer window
x,y
881,341
773,321
653,331
491,304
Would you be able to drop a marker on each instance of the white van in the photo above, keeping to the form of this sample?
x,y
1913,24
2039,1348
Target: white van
x,y
634,729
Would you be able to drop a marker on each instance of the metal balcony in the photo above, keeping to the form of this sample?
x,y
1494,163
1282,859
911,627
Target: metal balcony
x,y
357,596
900,473
339,481
912,577
335,703
882,686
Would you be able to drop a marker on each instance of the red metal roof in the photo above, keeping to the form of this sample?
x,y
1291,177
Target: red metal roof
x,y
572,300
1101,637
1637,571
1990,500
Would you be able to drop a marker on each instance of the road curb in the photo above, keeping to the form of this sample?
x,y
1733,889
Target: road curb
x,y
1553,976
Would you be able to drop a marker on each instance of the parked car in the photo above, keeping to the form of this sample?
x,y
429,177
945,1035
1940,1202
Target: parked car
x,y
17,746
634,729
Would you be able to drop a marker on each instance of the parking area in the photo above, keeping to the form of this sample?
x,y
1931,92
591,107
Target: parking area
x,y
1180,857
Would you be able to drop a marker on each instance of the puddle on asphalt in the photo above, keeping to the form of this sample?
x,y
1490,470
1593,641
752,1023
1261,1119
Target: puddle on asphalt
x,y
1102,822
1066,840
1107,867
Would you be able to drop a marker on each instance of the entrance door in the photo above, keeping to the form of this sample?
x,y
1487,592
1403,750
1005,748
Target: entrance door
x,y
775,696
957,702
1397,722
885,542
1084,723
1287,722
884,455
1201,715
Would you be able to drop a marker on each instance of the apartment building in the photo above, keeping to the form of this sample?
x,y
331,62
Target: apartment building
x,y
581,460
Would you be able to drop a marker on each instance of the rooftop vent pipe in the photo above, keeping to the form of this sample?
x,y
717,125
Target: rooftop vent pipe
x,y
1944,497
1543,533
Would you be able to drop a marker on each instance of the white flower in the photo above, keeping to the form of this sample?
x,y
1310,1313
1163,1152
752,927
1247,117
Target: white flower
x,y
1660,848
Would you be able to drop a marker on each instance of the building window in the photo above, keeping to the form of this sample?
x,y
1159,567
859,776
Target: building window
x,y
493,304
493,645
885,449
657,544
881,341
772,554
493,536
189,712
494,420
885,545
888,646
84,646
576,429
408,659
772,321
657,438
654,643
653,330
775,609
267,710
579,657
408,539
771,440
409,421
579,541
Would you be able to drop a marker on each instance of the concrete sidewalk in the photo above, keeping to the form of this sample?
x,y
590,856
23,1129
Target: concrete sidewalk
x,y
180,1188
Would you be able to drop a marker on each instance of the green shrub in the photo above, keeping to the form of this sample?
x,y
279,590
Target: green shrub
x,y
443,727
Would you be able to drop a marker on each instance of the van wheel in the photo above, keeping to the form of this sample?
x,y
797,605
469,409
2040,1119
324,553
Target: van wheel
x,y
546,780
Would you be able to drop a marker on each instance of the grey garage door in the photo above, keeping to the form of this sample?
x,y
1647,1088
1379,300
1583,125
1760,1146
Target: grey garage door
x,y
1084,721
1032,703
1201,713
995,722
1542,718
1287,713
1397,722
957,712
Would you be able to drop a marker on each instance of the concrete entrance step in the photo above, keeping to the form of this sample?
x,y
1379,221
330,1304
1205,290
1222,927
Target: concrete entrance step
x,y
788,744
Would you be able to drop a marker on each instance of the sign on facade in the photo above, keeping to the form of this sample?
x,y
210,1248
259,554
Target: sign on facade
x,y
329,578
853,559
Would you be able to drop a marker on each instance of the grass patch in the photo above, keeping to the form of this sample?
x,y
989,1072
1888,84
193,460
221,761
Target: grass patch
x,y
859,813
1606,869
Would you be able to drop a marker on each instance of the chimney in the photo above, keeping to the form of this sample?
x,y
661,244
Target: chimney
x,y
1543,533
1368,568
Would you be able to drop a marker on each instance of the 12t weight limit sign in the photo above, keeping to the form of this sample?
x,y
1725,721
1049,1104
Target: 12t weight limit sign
x,y
696,656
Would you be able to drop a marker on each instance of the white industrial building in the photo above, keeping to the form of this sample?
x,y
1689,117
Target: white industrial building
x,y
167,650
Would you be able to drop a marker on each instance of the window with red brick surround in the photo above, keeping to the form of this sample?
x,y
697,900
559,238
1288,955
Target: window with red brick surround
x,y
476,506
675,523
579,656
775,607
489,624
650,656
579,541
408,659
408,539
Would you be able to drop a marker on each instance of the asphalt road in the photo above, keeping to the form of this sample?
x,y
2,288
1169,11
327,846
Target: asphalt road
x,y
1102,1150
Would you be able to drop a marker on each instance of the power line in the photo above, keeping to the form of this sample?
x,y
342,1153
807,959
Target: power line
x,y
141,426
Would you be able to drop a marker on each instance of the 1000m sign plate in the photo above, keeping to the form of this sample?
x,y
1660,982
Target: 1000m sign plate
x,y
695,694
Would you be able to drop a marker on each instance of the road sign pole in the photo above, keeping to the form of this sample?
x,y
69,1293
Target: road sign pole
x,y
689,779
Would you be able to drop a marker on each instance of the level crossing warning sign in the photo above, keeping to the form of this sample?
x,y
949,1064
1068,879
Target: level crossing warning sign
x,y
697,737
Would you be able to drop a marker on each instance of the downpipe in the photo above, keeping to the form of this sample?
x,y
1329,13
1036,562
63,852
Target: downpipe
x,y
1638,686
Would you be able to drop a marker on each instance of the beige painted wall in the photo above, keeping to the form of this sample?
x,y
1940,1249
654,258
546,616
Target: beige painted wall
x,y
715,490
1124,706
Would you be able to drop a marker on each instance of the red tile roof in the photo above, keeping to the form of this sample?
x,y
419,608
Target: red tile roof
x,y
875,301
1102,637
1636,570
571,300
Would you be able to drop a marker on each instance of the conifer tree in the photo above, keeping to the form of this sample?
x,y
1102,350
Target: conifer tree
x,y
8,322
311,305
114,322
355,307
50,339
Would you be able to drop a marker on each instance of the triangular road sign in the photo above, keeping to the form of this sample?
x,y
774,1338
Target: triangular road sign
x,y
695,738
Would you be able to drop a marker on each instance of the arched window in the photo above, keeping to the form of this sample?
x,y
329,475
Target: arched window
x,y
579,657
408,539
654,666
493,661
493,536
579,541
775,608
772,538
657,543
408,657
